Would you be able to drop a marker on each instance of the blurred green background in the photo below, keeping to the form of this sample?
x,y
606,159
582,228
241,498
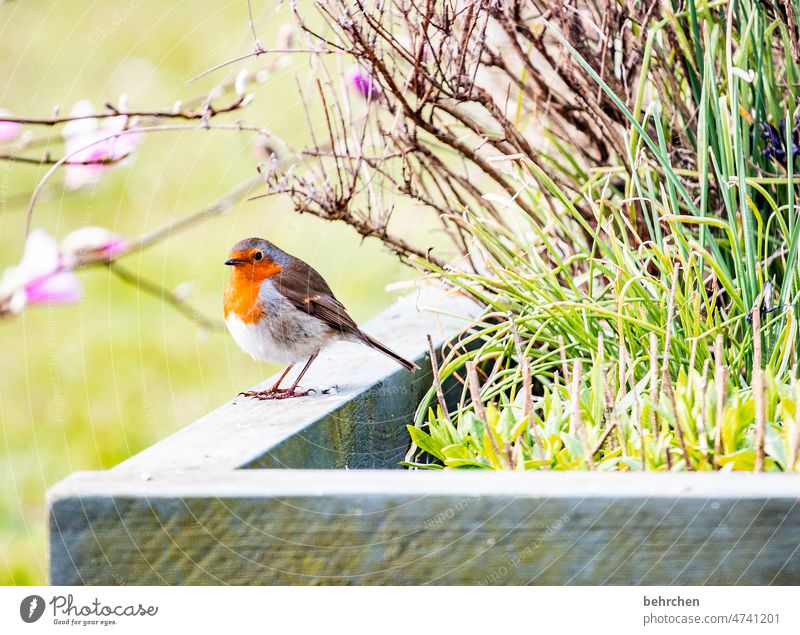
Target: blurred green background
x,y
85,386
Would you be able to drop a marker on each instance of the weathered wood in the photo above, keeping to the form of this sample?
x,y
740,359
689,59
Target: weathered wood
x,y
390,527
184,512
357,418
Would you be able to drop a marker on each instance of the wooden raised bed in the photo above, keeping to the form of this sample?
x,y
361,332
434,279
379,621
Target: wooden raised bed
x,y
306,492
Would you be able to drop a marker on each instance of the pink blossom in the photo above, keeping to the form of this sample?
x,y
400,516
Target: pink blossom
x,y
363,82
40,277
88,142
92,242
60,288
44,274
8,129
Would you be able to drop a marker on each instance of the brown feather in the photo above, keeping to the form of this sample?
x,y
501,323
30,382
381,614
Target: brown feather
x,y
309,292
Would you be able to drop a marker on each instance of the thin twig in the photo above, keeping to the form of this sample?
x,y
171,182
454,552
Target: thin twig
x,y
611,418
623,355
795,449
141,114
527,387
477,405
436,379
169,297
562,351
720,386
576,425
67,157
758,394
218,208
245,56
257,48
637,415
670,316
47,160
654,383
702,435
667,383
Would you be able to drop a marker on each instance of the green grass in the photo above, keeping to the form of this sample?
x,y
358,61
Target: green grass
x,y
676,242
86,386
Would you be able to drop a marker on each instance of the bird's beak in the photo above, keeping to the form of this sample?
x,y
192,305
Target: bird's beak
x,y
232,262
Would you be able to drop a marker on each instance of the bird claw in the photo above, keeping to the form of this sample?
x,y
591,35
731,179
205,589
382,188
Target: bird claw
x,y
276,393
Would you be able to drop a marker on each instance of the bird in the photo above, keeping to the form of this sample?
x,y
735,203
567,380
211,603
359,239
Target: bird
x,y
279,309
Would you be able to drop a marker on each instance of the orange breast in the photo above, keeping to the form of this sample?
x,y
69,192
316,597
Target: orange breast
x,y
241,298
241,292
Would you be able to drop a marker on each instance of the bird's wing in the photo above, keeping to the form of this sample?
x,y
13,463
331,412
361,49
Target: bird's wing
x,y
309,292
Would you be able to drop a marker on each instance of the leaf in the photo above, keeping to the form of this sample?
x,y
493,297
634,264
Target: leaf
x,y
455,436
742,460
462,463
488,451
440,428
572,445
455,452
474,428
425,442
521,425
775,448
492,417
735,419
506,424
535,464
421,466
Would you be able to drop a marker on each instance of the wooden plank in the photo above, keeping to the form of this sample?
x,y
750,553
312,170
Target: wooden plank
x,y
357,418
390,527
182,512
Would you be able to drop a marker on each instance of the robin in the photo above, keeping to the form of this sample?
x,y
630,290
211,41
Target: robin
x,y
279,309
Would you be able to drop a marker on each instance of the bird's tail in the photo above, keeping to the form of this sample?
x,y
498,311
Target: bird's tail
x,y
373,343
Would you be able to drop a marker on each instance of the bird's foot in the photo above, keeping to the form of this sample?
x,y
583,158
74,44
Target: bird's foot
x,y
276,393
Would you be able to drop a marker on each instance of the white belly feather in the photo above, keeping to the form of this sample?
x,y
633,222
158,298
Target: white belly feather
x,y
285,335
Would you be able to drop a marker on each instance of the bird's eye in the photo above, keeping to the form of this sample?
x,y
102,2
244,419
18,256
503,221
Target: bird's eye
x,y
258,255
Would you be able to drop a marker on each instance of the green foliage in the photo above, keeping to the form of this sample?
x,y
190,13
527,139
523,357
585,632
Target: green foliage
x,y
655,258
624,429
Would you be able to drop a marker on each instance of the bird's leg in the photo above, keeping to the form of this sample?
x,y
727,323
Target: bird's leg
x,y
292,392
283,393
270,393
